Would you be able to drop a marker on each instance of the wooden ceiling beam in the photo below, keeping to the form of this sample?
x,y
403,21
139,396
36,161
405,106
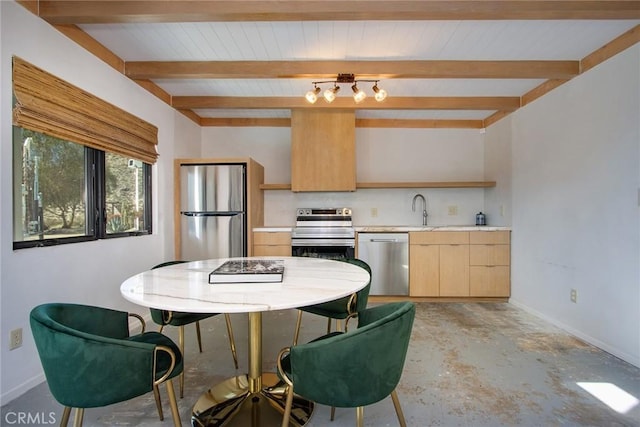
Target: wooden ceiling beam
x,y
360,123
328,70
94,12
504,103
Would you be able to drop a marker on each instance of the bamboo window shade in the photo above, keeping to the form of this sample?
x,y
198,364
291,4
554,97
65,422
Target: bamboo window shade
x,y
50,105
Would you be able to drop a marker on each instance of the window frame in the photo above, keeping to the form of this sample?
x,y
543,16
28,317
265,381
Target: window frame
x,y
96,210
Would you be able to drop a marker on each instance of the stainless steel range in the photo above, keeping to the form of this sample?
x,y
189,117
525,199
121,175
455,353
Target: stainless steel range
x,y
323,233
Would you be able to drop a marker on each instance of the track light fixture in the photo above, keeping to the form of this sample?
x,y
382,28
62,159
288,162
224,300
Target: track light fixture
x,y
358,94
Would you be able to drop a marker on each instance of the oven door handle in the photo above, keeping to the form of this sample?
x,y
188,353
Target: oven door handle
x,y
321,242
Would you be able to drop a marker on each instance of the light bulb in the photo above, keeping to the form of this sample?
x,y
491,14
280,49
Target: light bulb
x,y
312,95
380,94
330,94
358,94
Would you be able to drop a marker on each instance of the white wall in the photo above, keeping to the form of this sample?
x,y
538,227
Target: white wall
x,y
497,167
382,155
575,193
89,272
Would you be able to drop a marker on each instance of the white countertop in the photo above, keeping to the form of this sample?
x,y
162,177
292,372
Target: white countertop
x,y
185,287
405,228
401,228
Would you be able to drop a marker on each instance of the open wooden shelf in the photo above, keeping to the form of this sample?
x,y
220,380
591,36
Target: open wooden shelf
x,y
379,185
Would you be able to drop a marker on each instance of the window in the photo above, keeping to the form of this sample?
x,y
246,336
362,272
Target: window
x,y
66,192
81,166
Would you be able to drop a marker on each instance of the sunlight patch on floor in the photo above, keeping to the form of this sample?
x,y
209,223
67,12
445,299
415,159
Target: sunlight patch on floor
x,y
612,396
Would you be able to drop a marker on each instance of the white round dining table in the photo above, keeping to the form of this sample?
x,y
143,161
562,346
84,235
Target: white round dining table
x,y
256,398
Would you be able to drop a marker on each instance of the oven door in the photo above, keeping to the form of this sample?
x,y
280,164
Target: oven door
x,y
337,249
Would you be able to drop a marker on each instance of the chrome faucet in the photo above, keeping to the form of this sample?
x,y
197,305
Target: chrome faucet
x,y
424,207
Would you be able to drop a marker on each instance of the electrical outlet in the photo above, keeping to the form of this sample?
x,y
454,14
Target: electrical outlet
x,y
15,339
574,295
374,212
453,210
501,210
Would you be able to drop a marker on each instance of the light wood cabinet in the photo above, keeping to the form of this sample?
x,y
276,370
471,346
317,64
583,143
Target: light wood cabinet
x,y
490,261
454,270
460,264
269,243
323,152
439,264
424,270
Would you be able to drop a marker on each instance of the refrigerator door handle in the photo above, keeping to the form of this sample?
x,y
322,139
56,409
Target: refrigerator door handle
x,y
196,214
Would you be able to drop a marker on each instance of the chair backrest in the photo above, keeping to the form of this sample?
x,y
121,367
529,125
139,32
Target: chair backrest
x,y
87,356
362,296
357,368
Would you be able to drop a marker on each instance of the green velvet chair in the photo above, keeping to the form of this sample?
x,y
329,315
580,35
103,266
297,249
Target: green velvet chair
x,y
351,369
90,360
341,308
180,319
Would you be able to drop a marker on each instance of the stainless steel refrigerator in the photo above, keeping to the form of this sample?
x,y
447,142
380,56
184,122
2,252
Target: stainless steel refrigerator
x,y
212,211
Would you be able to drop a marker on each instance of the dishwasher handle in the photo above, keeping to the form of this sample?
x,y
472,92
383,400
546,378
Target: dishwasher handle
x,y
384,240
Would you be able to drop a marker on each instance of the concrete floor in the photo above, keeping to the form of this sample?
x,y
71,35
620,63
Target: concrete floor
x,y
469,364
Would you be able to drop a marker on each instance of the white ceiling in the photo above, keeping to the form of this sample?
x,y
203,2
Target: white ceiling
x,y
350,40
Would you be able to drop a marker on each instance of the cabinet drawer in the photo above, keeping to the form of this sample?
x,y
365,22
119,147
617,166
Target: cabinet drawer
x,y
272,250
439,238
489,255
489,281
489,237
271,238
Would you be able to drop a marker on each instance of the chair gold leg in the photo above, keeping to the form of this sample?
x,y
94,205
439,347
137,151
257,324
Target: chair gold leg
x,y
77,422
287,406
156,395
173,404
232,341
297,332
199,336
181,343
333,412
360,416
65,416
396,404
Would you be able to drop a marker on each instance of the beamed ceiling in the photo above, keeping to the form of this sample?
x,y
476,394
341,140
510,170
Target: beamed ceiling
x,y
447,64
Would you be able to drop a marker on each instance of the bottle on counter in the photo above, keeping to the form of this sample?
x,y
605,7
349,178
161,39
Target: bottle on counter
x,y
481,219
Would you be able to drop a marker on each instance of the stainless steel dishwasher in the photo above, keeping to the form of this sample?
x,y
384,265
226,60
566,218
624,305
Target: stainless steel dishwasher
x,y
388,256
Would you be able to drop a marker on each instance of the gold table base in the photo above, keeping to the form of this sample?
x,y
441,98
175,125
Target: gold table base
x,y
231,403
256,399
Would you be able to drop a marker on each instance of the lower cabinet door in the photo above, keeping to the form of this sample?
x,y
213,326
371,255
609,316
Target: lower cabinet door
x,y
424,270
454,270
490,281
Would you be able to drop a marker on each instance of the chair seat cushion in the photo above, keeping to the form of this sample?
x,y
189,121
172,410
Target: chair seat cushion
x,y
164,360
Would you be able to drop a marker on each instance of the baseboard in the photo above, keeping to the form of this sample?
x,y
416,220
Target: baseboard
x,y
635,361
16,392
